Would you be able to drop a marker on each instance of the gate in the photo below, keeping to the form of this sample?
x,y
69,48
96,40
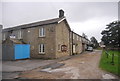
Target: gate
x,y
21,51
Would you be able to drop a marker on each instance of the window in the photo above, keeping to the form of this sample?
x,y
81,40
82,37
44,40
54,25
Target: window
x,y
73,36
12,36
42,48
41,32
77,37
19,34
80,38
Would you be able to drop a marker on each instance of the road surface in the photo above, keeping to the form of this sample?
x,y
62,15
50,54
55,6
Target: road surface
x,y
83,66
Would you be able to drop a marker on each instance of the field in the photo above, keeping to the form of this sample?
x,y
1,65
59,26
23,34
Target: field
x,y
109,62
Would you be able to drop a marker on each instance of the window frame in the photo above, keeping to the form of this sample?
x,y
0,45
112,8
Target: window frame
x,y
41,48
73,36
42,32
77,37
20,34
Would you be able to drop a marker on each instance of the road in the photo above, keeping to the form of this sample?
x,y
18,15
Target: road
x,y
83,66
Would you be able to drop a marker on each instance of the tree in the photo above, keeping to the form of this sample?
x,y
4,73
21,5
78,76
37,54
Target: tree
x,y
94,42
111,35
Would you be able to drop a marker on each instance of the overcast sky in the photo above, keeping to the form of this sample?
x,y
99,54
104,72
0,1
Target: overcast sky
x,y
83,17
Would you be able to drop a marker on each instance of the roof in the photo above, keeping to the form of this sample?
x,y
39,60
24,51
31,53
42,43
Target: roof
x,y
81,36
39,23
76,33
15,41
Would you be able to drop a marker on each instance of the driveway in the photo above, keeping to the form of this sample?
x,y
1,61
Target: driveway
x,y
84,66
11,69
23,65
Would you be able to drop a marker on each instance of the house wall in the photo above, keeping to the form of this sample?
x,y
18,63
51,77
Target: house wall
x,y
0,42
7,52
78,44
56,35
71,43
62,38
31,36
84,43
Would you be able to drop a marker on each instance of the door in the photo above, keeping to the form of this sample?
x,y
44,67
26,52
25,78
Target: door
x,y
22,51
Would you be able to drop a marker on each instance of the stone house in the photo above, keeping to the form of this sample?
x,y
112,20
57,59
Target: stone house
x,y
76,43
85,43
51,38
47,39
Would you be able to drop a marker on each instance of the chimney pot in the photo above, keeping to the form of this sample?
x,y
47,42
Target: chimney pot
x,y
61,13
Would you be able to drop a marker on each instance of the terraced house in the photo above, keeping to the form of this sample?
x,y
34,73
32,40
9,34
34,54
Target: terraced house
x,y
48,39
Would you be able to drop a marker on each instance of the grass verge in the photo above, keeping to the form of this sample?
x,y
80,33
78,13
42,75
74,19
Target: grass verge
x,y
107,64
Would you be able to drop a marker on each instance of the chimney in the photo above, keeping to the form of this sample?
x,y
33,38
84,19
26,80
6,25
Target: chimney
x,y
61,13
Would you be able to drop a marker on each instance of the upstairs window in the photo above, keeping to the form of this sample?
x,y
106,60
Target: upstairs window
x,y
19,34
77,37
41,32
80,38
73,36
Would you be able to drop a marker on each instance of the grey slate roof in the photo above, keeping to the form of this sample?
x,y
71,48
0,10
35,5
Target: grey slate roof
x,y
45,22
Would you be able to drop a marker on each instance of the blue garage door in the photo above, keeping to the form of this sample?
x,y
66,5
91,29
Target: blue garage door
x,y
22,51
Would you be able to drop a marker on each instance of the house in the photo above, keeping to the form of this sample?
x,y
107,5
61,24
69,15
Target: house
x,y
47,39
76,40
85,43
51,38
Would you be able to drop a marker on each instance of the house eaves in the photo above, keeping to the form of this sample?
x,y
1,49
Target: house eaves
x,y
35,24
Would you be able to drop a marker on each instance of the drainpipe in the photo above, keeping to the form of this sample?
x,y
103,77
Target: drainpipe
x,y
72,41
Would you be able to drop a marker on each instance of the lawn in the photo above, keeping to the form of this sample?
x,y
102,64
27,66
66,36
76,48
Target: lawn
x,y
106,63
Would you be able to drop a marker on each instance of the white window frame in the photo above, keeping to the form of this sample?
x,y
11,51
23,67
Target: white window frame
x,y
42,32
41,48
19,34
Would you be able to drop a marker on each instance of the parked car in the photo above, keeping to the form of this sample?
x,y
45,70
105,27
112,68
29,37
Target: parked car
x,y
90,49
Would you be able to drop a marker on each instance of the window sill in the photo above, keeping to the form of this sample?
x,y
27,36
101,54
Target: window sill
x,y
41,36
41,53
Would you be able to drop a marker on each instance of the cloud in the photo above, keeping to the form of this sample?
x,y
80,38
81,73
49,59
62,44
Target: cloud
x,y
0,13
92,27
87,17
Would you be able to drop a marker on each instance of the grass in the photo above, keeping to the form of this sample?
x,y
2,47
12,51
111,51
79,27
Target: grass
x,y
105,63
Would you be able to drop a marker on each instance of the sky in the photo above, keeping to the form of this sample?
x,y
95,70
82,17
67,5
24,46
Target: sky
x,y
83,17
